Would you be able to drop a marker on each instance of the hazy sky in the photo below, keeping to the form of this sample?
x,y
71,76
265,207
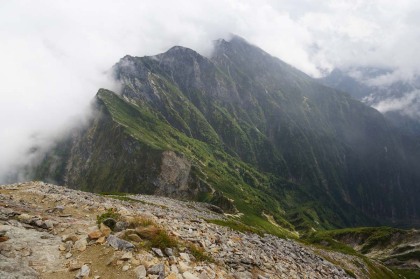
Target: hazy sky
x,y
54,54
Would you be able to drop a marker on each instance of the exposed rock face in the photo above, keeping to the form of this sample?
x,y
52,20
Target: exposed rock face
x,y
174,175
34,251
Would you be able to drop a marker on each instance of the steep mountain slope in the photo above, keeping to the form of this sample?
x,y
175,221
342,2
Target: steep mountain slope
x,y
242,130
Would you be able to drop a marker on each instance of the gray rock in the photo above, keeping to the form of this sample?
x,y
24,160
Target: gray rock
x,y
48,224
158,252
118,243
169,252
120,226
83,272
157,269
140,272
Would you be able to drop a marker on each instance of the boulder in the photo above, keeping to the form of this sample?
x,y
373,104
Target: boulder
x,y
118,243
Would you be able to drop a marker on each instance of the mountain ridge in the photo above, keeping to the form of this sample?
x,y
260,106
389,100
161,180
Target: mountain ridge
x,y
260,136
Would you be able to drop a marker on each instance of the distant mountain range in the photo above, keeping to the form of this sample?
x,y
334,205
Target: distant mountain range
x,y
248,133
398,100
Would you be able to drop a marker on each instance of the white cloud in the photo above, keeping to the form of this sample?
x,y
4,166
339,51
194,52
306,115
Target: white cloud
x,y
407,104
54,53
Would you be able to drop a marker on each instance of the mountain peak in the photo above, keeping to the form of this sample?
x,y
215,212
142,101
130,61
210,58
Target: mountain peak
x,y
233,39
179,52
234,43
179,49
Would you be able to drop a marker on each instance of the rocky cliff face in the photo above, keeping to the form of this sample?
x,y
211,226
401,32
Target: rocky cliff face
x,y
50,231
246,131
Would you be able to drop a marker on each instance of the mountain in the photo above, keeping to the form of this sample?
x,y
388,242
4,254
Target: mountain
x,y
248,133
399,100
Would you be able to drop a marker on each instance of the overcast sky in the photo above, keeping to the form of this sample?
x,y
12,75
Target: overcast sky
x,y
54,54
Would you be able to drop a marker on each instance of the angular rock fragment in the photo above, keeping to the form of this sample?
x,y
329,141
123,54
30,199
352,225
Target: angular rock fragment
x,y
118,243
83,272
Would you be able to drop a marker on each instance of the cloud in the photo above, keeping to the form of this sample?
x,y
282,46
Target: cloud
x,y
408,104
55,54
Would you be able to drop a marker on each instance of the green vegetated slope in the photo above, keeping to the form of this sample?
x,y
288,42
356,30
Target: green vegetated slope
x,y
247,132
398,249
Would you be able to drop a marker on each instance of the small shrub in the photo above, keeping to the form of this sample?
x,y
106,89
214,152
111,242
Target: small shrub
x,y
148,232
163,240
154,235
199,253
140,222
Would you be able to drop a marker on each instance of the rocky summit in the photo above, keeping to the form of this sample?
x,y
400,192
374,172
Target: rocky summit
x,y
50,231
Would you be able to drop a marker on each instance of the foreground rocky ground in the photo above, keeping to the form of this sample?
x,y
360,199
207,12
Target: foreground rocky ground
x,y
48,231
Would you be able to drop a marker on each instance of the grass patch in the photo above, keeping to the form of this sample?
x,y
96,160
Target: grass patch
x,y
407,273
163,240
366,237
199,253
152,234
113,193
155,236
379,271
140,221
